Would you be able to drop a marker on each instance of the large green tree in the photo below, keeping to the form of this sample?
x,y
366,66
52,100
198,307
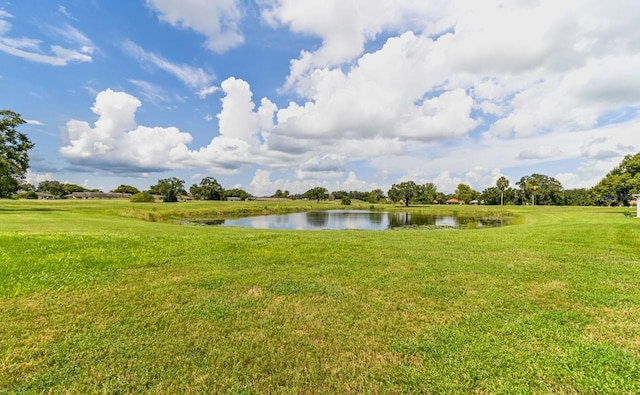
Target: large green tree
x,y
169,188
51,186
14,153
541,189
317,194
375,196
405,191
427,193
209,189
616,188
465,193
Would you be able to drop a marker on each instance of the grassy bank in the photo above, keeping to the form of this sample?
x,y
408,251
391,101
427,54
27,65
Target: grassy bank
x,y
96,297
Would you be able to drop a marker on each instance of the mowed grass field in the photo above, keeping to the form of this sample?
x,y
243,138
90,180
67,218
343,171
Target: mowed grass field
x,y
114,297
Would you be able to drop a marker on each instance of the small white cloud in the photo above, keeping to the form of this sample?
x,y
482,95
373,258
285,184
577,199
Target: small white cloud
x,y
63,10
34,122
543,152
206,91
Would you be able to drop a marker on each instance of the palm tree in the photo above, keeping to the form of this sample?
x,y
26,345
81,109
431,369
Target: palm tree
x,y
532,185
502,184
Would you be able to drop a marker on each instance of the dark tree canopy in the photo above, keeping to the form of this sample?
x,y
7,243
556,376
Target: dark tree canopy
x,y
405,191
616,188
465,193
496,196
126,189
541,189
280,194
577,197
51,186
237,193
427,193
169,188
14,153
317,194
209,189
375,196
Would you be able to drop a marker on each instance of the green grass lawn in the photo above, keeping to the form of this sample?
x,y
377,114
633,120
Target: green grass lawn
x,y
115,297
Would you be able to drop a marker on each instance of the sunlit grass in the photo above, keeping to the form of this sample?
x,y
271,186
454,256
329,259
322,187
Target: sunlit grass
x,y
97,298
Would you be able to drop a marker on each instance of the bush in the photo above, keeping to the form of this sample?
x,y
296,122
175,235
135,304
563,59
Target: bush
x,y
143,197
26,195
346,201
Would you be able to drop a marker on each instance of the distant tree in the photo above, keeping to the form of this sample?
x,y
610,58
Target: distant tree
x,y
51,186
169,188
26,187
541,189
280,194
532,186
14,153
70,188
465,193
346,200
405,191
126,189
236,192
502,183
494,196
577,197
375,196
317,194
616,188
26,195
339,194
427,193
209,189
358,195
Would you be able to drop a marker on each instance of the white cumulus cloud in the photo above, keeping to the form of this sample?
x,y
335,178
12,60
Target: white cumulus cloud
x,y
116,143
217,20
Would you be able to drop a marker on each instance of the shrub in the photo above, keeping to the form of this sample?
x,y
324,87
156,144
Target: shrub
x,y
26,195
346,201
143,197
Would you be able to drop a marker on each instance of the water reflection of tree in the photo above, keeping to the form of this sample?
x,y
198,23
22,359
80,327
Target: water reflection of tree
x,y
317,219
376,218
407,219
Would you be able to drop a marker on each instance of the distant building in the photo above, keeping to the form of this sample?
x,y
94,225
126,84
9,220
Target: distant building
x,y
45,196
454,201
100,195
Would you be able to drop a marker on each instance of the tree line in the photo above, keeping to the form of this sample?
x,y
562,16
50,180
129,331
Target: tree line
x,y
615,189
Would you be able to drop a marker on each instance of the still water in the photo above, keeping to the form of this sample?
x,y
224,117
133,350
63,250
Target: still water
x,y
352,219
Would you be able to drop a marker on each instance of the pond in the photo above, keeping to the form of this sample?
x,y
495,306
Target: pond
x,y
353,219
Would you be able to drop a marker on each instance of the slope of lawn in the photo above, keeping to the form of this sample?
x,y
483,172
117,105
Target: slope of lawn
x,y
96,297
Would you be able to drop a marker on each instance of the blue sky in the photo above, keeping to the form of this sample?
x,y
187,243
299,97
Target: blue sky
x,y
346,94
